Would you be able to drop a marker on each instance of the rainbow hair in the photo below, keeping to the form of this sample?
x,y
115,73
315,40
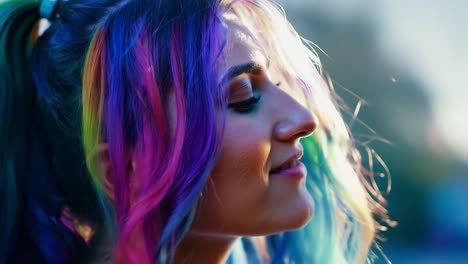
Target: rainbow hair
x,y
127,87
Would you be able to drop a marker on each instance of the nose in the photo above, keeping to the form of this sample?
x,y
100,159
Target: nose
x,y
297,122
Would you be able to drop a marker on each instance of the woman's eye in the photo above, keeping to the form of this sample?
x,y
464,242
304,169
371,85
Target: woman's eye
x,y
246,106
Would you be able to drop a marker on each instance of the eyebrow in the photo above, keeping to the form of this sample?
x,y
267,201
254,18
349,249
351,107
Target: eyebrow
x,y
234,71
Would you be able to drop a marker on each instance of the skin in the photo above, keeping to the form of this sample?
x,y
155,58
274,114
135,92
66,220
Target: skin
x,y
242,197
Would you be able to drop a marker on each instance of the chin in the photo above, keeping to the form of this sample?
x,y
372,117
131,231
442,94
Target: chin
x,y
302,210
298,213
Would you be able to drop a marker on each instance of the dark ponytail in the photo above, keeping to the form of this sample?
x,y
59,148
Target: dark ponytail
x,y
17,95
42,167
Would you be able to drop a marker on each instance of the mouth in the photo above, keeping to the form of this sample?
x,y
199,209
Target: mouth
x,y
292,167
286,165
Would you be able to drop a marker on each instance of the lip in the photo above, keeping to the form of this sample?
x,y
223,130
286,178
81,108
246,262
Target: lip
x,y
297,155
297,172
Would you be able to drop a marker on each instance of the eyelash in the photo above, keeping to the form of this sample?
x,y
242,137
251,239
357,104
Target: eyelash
x,y
246,106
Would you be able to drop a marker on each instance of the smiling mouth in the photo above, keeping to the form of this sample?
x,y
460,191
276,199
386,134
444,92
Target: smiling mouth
x,y
287,165
295,170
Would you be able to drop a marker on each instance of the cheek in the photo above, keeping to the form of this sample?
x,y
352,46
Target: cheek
x,y
244,153
238,184
244,157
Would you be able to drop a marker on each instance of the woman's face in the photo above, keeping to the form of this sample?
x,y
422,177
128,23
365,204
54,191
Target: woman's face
x,y
248,193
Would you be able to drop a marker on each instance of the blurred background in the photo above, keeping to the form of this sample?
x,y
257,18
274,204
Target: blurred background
x,y
407,62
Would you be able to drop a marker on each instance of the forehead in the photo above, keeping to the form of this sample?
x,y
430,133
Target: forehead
x,y
243,44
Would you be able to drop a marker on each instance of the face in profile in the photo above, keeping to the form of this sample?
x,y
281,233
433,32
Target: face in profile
x,y
257,186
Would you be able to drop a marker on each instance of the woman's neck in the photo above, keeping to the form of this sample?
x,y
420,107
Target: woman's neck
x,y
201,248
